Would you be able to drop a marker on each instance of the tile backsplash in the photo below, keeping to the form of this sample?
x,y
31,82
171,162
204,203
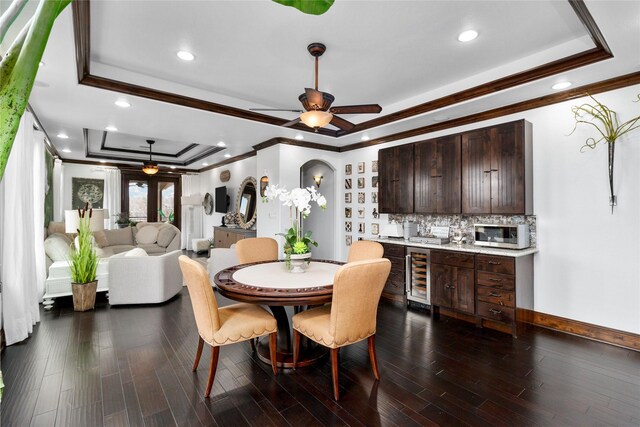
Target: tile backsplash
x,y
465,222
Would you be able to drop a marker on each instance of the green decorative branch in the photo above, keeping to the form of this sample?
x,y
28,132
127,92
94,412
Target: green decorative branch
x,y
606,123
19,66
310,7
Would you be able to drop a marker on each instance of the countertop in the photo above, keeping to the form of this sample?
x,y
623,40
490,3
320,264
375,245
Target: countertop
x,y
461,248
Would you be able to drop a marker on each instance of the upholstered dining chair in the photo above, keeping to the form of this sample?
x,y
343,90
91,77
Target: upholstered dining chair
x,y
365,249
257,249
225,325
351,316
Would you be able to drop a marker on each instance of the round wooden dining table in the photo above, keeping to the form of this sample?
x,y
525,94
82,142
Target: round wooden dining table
x,y
270,283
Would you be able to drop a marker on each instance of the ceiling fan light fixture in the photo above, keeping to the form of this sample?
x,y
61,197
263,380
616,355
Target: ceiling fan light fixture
x,y
316,119
150,168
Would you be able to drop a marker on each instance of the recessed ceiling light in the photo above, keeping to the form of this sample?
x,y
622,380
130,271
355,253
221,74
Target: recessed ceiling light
x,y
227,155
186,56
103,161
66,150
172,167
122,103
205,164
41,64
365,138
111,129
561,85
299,137
467,36
63,135
221,144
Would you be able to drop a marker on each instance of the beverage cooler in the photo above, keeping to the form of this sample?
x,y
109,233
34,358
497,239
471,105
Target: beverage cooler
x,y
418,281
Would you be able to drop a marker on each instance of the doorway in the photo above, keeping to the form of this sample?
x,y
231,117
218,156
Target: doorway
x,y
321,222
151,198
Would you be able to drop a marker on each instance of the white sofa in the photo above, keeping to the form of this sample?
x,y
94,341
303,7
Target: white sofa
x,y
144,279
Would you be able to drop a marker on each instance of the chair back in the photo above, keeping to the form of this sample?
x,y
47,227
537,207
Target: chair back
x,y
365,249
203,300
357,287
257,249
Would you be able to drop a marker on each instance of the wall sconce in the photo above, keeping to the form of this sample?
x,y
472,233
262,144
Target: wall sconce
x,y
318,180
264,182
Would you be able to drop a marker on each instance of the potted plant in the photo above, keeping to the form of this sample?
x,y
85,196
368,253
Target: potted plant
x,y
297,246
84,264
166,217
122,220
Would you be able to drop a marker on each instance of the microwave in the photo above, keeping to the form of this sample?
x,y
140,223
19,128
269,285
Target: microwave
x,y
510,236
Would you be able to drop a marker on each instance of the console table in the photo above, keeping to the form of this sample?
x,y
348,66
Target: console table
x,y
224,237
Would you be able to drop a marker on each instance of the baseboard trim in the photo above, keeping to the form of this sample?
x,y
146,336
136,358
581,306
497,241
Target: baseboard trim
x,y
587,330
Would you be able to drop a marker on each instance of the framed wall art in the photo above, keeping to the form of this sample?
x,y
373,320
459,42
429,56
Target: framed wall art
x,y
87,190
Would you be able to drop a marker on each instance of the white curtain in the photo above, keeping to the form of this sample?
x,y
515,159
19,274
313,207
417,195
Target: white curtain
x,y
112,190
58,191
191,215
22,272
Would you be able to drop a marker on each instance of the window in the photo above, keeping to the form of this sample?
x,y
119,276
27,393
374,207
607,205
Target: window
x,y
151,198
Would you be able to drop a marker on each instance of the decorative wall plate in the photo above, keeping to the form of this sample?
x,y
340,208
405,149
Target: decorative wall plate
x,y
207,203
225,175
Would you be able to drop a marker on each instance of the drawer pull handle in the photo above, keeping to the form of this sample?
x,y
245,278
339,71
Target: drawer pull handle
x,y
494,263
494,311
493,294
495,280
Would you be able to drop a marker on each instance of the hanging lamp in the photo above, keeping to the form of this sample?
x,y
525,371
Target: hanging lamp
x,y
150,167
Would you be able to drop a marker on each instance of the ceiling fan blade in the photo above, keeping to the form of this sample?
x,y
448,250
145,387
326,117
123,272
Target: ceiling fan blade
x,y
341,123
357,109
292,122
313,96
275,109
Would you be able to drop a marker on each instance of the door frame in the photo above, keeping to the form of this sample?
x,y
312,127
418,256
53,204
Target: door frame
x,y
152,197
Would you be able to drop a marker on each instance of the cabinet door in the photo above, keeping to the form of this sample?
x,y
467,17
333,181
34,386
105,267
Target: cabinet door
x,y
507,169
426,177
386,180
403,166
450,175
476,172
219,238
441,282
463,298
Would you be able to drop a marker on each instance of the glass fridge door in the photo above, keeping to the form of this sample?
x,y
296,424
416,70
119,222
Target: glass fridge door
x,y
418,275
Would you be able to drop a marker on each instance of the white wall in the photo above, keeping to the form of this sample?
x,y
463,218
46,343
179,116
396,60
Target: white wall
x,y
210,180
321,222
588,267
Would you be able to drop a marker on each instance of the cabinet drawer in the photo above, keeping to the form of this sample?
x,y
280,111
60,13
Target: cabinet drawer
x,y
456,259
393,251
395,283
496,264
496,312
497,281
496,296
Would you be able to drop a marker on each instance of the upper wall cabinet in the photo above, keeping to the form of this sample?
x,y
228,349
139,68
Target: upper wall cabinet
x,y
395,176
437,176
497,170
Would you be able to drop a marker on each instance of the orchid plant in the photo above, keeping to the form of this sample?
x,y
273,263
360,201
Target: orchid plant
x,y
299,202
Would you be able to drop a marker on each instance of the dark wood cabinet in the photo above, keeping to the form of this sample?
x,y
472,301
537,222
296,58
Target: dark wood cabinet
x,y
438,176
394,288
497,170
395,179
452,281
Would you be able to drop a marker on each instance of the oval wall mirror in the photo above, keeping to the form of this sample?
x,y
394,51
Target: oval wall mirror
x,y
246,203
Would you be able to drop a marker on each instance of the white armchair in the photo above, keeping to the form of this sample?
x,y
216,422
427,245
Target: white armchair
x,y
220,259
144,279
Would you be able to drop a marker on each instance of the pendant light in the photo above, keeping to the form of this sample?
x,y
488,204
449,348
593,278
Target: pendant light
x,y
150,167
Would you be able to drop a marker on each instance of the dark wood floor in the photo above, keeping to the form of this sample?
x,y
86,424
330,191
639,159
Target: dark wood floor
x,y
131,366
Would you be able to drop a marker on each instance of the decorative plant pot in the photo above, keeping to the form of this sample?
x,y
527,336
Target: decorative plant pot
x,y
297,261
84,295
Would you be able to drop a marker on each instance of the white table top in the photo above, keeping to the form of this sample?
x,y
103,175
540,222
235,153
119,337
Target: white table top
x,y
275,275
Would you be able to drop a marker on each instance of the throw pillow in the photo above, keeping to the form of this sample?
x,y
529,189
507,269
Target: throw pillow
x,y
166,233
101,238
121,236
136,252
57,247
147,235
55,228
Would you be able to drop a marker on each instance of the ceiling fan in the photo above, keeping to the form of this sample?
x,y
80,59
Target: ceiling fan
x,y
318,111
150,167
